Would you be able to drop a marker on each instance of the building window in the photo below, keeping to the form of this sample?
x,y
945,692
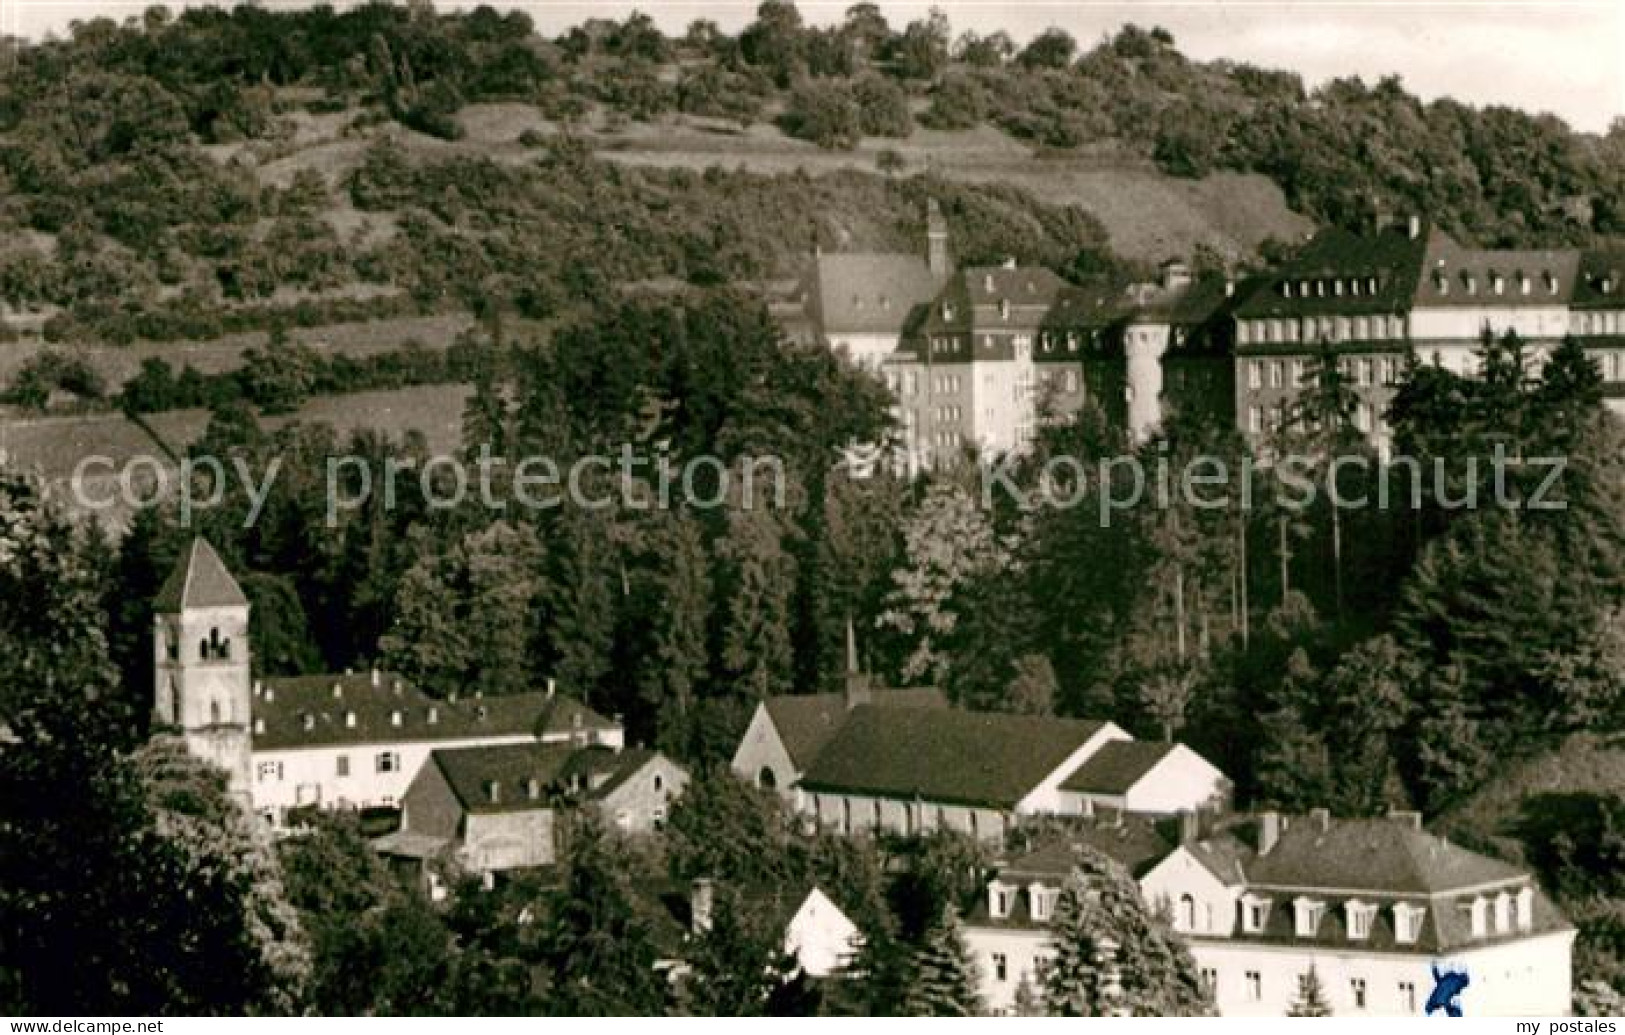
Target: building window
x,y
1357,992
1360,915
1001,967
998,902
270,771
341,765
1210,979
387,762
1255,986
1254,912
1408,922
1043,902
1407,996
1187,913
1308,913
1478,915
1526,909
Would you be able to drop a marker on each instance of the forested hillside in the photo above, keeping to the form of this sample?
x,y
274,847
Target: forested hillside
x,y
170,177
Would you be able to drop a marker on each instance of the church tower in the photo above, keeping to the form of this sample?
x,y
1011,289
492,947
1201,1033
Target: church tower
x,y
204,688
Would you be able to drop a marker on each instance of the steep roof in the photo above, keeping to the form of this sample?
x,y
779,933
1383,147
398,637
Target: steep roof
x,y
1599,283
1382,856
950,756
872,293
315,711
805,722
534,776
1336,258
200,579
1117,766
1453,276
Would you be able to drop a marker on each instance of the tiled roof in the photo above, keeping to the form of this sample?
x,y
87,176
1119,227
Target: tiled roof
x,y
950,756
200,579
1332,257
534,776
873,293
1371,855
361,708
1117,766
805,722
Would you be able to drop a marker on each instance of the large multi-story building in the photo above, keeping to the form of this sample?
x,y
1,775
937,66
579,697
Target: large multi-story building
x,y
995,349
1371,906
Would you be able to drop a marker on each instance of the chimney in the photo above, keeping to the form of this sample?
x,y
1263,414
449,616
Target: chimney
x,y
1413,227
1321,818
857,684
1190,822
1269,831
701,904
936,239
1406,817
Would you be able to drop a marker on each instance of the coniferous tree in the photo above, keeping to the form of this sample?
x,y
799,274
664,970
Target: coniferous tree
x,y
1112,957
1311,1000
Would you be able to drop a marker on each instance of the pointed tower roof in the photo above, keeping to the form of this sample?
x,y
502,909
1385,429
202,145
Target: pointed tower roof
x,y
200,579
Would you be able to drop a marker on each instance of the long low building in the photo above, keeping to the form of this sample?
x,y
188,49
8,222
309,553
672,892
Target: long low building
x,y
1371,906
904,762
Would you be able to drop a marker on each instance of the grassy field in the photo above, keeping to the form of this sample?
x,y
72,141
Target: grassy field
x,y
1149,215
117,364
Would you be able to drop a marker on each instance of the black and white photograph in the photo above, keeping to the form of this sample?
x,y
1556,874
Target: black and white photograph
x,y
821,509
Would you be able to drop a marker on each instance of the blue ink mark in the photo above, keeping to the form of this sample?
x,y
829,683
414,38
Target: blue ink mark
x,y
1448,984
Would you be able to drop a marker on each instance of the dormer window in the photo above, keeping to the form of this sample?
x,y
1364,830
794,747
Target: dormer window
x,y
395,718
1337,287
1503,913
533,788
1004,309
1498,284
1359,916
308,721
1308,912
1441,283
1526,908
1408,922
349,720
1286,289
259,727
1042,901
1471,283
998,900
1477,911
1523,284
1255,912
1551,283
947,311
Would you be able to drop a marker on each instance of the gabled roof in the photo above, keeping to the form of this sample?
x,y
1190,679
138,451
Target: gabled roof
x,y
1380,856
200,580
949,756
1117,766
805,722
315,711
873,293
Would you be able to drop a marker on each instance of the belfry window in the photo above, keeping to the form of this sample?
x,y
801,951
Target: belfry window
x,y
216,647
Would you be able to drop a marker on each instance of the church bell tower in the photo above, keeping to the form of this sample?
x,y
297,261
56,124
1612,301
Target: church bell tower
x,y
203,685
